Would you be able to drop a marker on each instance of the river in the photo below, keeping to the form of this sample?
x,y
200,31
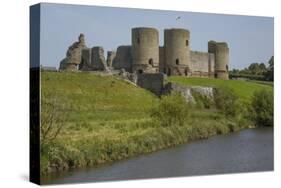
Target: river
x,y
249,150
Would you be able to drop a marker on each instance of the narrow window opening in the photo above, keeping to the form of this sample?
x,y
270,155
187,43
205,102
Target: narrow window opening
x,y
177,61
140,71
150,61
138,40
186,42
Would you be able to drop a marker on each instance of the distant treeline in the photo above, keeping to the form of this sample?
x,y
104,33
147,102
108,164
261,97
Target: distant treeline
x,y
255,71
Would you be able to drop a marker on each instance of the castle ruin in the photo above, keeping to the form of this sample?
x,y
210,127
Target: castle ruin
x,y
144,55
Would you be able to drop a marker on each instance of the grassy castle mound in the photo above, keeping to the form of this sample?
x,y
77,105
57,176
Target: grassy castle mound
x,y
87,119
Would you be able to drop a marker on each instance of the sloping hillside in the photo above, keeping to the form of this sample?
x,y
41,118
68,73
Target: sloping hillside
x,y
90,97
100,116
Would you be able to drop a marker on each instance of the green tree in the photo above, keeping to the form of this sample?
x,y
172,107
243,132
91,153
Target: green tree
x,y
262,67
235,71
254,68
257,69
270,70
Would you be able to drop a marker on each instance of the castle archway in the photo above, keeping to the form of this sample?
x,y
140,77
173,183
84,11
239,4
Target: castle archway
x,y
185,72
169,71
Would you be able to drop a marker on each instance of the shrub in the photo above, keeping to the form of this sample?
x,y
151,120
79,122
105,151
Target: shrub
x,y
222,129
202,101
171,110
262,106
233,126
52,118
227,101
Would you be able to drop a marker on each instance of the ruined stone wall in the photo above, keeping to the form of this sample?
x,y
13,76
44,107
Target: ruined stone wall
x,y
98,59
85,64
212,65
145,50
188,91
146,56
123,58
162,67
73,55
153,82
202,64
110,57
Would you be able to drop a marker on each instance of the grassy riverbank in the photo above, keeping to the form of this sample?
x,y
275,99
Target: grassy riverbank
x,y
106,119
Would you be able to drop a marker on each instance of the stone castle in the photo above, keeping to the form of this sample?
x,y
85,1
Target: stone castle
x,y
144,55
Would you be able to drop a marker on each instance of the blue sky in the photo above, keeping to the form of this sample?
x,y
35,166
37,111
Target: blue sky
x,y
250,38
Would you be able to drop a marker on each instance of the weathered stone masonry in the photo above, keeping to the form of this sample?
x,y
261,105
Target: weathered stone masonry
x,y
144,55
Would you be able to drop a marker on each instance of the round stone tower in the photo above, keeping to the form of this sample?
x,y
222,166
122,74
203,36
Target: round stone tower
x,y
212,46
177,52
221,51
145,50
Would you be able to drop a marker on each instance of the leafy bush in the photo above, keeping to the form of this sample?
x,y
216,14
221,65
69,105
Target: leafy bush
x,y
262,106
233,126
202,101
222,129
171,110
227,101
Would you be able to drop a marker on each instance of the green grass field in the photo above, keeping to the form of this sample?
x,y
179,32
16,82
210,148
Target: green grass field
x,y
108,119
88,97
98,110
243,89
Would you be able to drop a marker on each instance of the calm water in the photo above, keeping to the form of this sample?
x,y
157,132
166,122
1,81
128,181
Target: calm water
x,y
246,151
